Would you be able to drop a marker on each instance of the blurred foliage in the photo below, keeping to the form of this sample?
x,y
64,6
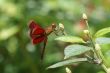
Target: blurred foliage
x,y
18,55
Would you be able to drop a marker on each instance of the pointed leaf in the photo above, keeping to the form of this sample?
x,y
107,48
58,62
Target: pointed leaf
x,y
73,50
103,40
71,39
67,62
102,32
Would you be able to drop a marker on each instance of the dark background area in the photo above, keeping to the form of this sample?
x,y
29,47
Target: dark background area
x,y
19,55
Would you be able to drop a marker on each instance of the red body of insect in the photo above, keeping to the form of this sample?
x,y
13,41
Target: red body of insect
x,y
39,34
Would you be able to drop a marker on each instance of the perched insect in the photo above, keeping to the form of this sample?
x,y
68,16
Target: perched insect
x,y
39,34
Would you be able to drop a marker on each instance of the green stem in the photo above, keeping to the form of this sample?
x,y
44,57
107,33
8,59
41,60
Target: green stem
x,y
98,53
104,67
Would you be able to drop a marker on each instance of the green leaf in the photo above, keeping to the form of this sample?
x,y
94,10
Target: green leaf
x,y
102,32
74,50
71,39
67,62
102,40
6,33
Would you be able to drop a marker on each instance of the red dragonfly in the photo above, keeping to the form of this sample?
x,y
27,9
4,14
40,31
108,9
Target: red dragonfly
x,y
39,34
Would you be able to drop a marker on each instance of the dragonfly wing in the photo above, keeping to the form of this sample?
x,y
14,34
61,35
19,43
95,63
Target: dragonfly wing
x,y
39,39
38,31
33,24
35,29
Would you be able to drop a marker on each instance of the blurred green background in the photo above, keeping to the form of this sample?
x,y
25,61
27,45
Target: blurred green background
x,y
19,55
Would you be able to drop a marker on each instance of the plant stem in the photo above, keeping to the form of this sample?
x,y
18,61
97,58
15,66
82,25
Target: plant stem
x,y
98,52
104,67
